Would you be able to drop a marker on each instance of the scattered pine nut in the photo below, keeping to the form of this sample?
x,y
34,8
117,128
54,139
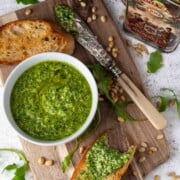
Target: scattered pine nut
x,y
142,149
135,173
142,159
121,90
49,162
114,54
120,119
110,38
83,4
160,136
115,50
41,160
111,44
143,144
94,9
150,152
28,12
157,177
123,98
89,20
103,19
128,42
177,177
115,98
172,173
108,49
154,149
114,90
94,17
81,149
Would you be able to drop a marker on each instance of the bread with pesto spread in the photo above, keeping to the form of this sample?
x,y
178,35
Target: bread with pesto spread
x,y
24,38
103,163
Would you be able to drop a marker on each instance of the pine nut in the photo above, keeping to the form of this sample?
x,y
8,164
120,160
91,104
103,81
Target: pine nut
x,y
160,136
83,4
143,144
172,173
49,162
103,19
110,38
120,119
41,160
28,12
81,149
157,177
142,159
89,20
94,17
111,44
142,149
135,173
154,149
93,9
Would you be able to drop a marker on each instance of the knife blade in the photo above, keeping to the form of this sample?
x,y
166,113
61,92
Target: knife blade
x,y
87,39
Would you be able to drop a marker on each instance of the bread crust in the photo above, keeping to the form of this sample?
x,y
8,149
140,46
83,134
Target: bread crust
x,y
113,176
24,38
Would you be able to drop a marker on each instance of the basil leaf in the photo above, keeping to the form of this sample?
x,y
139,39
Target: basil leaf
x,y
155,61
178,107
163,104
67,160
120,112
10,167
19,171
25,2
175,97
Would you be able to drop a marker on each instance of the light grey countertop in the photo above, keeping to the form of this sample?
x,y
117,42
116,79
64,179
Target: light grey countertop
x,y
166,77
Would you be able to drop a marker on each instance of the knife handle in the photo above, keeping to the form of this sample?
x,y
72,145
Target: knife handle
x,y
157,120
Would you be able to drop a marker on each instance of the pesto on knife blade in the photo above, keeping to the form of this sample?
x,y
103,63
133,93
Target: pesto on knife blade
x,y
51,100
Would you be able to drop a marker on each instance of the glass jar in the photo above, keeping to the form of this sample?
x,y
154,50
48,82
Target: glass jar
x,y
156,22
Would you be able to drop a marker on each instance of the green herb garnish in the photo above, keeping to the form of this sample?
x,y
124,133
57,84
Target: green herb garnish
x,y
67,160
104,81
167,101
19,173
155,62
25,2
175,98
65,17
163,104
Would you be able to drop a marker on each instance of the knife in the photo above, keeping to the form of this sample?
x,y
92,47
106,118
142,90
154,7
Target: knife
x,y
87,39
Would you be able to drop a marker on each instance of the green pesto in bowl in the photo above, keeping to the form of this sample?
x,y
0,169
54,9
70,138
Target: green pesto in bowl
x,y
51,100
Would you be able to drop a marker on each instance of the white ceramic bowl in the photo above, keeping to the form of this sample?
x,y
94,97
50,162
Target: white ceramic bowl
x,y
16,73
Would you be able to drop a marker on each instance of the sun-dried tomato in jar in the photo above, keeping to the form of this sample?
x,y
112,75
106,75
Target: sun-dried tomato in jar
x,y
155,21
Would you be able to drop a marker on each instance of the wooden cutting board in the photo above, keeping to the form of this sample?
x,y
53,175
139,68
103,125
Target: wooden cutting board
x,y
120,135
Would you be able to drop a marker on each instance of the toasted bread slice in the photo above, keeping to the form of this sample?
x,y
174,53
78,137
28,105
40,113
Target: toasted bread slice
x,y
116,175
24,38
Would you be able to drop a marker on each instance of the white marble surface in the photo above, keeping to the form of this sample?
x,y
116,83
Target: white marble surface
x,y
166,77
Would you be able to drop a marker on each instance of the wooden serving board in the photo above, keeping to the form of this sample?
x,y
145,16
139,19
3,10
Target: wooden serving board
x,y
120,135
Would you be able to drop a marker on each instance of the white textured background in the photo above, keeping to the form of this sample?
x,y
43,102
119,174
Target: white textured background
x,y
166,77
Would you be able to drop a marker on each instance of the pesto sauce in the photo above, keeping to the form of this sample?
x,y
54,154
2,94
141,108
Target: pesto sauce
x,y
51,100
66,16
102,161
